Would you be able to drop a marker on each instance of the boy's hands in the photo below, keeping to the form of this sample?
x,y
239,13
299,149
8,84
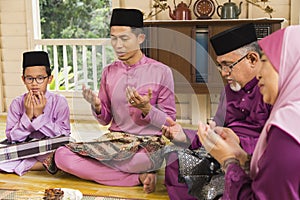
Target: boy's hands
x,y
34,104
28,104
39,103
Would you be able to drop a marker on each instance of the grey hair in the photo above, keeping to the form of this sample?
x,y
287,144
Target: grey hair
x,y
253,46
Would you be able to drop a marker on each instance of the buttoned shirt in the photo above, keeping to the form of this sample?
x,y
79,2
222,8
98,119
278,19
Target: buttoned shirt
x,y
54,121
244,112
144,75
278,177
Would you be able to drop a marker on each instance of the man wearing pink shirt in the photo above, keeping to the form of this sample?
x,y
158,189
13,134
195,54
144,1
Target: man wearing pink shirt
x,y
136,96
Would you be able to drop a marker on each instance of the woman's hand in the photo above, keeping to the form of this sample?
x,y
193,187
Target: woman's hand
x,y
222,144
233,140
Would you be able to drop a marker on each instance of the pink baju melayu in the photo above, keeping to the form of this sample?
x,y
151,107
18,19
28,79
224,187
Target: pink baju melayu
x,y
55,121
123,117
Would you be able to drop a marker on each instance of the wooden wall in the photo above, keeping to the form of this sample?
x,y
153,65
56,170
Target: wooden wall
x,y
14,41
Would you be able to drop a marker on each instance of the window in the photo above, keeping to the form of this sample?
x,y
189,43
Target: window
x,y
76,35
74,18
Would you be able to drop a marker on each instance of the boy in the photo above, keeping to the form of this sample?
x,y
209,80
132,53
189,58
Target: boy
x,y
36,114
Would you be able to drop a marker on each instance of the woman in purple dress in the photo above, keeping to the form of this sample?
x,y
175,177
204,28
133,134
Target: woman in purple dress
x,y
273,172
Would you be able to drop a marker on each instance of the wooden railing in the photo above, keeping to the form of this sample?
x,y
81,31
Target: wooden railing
x,y
76,61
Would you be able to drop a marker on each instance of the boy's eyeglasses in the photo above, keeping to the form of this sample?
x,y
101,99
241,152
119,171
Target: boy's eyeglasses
x,y
228,69
39,79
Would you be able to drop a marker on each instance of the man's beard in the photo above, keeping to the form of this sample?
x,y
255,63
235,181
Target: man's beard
x,y
235,86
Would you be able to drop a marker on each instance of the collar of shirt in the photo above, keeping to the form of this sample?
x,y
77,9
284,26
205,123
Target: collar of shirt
x,y
250,85
143,60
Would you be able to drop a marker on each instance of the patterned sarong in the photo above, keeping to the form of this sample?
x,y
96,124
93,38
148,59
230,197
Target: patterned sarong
x,y
118,146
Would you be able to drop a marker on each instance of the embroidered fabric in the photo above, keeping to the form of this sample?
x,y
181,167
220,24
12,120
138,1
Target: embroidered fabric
x,y
117,146
202,173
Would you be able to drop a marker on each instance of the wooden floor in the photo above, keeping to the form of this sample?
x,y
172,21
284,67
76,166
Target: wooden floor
x,y
34,183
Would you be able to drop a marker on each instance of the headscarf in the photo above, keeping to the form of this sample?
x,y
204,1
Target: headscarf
x,y
283,50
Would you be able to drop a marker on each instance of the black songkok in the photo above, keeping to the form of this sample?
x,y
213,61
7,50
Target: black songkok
x,y
35,58
127,17
233,39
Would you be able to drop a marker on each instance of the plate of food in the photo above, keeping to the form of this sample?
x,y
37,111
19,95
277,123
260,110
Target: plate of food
x,y
62,194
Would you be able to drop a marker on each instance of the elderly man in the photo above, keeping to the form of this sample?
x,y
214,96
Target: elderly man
x,y
241,106
136,96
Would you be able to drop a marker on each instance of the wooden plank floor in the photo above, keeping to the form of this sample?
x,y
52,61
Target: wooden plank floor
x,y
35,182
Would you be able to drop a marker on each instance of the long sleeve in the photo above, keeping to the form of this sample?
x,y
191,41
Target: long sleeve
x,y
244,112
165,104
193,138
219,117
144,75
18,125
54,121
56,124
105,117
278,177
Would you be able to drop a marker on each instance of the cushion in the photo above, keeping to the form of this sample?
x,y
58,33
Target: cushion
x,y
10,152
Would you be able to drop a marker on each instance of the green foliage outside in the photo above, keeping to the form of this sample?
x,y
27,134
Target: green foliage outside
x,y
61,79
76,19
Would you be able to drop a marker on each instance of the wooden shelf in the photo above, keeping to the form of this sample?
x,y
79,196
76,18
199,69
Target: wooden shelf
x,y
174,43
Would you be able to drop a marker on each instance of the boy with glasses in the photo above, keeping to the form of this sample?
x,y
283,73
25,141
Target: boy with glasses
x,y
37,114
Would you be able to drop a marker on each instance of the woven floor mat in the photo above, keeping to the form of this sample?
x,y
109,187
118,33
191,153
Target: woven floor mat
x,y
31,195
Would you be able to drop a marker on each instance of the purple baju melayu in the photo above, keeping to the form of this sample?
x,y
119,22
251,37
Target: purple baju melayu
x,y
278,179
243,111
274,169
54,121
